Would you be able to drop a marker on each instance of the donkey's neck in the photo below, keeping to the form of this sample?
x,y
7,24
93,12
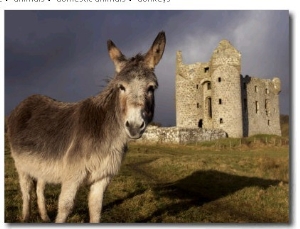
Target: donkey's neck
x,y
100,118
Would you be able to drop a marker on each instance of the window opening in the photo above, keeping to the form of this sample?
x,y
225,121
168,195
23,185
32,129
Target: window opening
x,y
267,106
245,104
200,123
267,91
208,86
209,108
256,107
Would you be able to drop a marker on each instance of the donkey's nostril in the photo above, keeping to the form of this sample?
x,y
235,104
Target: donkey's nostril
x,y
135,129
142,126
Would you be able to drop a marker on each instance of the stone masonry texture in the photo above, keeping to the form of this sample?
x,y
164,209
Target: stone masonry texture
x,y
214,95
177,135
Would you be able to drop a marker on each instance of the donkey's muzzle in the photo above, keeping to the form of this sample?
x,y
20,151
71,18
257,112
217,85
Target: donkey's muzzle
x,y
135,130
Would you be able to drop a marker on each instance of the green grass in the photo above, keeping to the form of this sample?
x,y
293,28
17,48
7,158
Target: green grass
x,y
182,184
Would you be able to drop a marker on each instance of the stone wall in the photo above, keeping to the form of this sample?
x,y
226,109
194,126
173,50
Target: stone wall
x,y
188,97
262,108
179,135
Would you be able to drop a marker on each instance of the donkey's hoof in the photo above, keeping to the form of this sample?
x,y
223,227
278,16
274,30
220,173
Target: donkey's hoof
x,y
46,219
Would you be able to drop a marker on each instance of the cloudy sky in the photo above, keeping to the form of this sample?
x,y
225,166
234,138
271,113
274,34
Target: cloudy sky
x,y
63,54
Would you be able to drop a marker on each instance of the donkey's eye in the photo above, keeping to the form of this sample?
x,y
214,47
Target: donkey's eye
x,y
122,88
151,89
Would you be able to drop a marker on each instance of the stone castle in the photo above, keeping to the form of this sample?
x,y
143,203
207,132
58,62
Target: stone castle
x,y
214,95
213,101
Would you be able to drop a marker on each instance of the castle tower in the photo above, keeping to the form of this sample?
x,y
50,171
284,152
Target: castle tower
x,y
186,94
225,101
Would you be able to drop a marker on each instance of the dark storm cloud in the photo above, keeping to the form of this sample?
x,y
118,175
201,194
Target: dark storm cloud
x,y
63,54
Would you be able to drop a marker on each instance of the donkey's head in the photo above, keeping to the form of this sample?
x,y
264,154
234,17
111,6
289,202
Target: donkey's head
x,y
135,81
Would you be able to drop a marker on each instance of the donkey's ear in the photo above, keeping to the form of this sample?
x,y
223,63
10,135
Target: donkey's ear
x,y
116,56
156,51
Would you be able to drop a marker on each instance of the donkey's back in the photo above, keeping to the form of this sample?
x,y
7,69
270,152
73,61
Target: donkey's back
x,y
41,126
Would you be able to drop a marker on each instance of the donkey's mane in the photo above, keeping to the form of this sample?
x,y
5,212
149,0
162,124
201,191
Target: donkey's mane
x,y
137,58
104,97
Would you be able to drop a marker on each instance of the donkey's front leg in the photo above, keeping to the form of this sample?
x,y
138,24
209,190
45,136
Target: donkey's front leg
x,y
96,198
66,200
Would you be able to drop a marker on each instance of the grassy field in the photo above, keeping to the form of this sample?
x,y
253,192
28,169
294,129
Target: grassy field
x,y
218,182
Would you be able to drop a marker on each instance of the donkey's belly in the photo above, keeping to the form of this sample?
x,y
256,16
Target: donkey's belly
x,y
48,170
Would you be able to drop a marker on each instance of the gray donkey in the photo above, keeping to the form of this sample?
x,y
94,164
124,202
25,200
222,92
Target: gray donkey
x,y
83,143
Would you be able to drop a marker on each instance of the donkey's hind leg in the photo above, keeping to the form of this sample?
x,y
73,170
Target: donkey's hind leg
x,y
40,187
26,185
